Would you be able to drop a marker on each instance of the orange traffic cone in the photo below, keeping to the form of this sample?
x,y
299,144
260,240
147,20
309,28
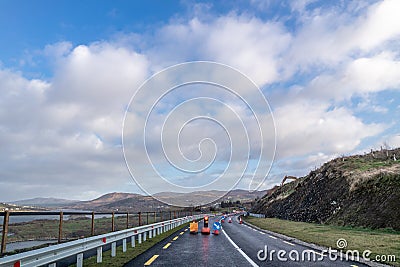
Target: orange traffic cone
x,y
240,220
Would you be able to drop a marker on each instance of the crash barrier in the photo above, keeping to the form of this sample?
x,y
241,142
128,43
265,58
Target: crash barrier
x,y
50,255
257,215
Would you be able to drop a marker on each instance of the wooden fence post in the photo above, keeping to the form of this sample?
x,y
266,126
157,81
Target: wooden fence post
x,y
60,226
92,228
5,232
112,223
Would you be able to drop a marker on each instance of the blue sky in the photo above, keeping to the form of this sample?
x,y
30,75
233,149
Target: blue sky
x,y
330,71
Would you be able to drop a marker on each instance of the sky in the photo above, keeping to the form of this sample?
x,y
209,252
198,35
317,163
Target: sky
x,y
330,71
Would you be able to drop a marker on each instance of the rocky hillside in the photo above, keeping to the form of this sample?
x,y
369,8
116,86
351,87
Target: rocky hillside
x,y
354,191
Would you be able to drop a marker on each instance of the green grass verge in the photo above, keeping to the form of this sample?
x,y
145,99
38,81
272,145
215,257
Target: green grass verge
x,y
122,258
380,242
365,164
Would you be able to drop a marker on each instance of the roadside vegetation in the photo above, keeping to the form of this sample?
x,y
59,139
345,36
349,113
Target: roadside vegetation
x,y
380,242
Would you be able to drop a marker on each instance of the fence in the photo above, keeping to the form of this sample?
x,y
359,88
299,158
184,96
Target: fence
x,y
50,255
89,224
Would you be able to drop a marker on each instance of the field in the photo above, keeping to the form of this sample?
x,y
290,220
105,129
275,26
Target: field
x,y
380,242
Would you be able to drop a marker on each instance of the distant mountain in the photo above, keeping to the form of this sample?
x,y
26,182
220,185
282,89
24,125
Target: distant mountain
x,y
44,202
205,196
137,202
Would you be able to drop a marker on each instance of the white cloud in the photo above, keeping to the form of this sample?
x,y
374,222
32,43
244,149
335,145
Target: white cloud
x,y
244,42
330,37
309,127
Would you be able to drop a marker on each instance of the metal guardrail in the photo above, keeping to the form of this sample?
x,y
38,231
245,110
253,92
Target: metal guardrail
x,y
257,215
50,255
142,218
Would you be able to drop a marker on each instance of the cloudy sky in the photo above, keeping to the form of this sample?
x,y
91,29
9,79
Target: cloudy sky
x,y
330,71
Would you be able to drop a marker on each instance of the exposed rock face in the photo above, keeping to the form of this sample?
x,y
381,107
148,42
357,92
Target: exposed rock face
x,y
355,191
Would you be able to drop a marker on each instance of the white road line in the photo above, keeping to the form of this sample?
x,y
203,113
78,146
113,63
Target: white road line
x,y
321,254
288,243
241,251
273,237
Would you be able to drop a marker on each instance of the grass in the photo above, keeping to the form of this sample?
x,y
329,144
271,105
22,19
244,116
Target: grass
x,y
122,258
380,242
364,164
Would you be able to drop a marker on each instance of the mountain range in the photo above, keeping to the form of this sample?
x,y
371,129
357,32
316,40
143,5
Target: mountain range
x,y
136,202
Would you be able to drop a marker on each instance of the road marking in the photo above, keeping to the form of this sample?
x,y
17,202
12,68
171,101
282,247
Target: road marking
x,y
150,261
288,243
354,265
240,251
166,246
175,238
273,237
186,229
182,233
254,230
323,255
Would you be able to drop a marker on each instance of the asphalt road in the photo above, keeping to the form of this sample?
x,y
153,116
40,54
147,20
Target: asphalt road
x,y
236,245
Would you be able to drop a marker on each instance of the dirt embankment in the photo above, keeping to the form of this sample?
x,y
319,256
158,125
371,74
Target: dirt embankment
x,y
354,191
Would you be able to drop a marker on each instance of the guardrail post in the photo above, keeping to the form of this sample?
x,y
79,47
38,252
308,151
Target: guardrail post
x,y
112,222
92,228
150,234
139,238
127,220
124,245
140,218
99,254
5,232
79,260
113,249
60,226
144,236
133,241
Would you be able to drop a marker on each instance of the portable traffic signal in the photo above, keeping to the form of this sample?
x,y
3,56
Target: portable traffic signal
x,y
205,230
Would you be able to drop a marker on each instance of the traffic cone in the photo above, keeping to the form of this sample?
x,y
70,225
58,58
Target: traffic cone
x,y
240,220
216,232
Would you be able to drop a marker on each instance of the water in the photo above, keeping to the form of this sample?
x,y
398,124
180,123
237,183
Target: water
x,y
29,218
27,244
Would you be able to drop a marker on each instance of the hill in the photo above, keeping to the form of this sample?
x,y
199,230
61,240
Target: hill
x,y
137,202
361,190
44,202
